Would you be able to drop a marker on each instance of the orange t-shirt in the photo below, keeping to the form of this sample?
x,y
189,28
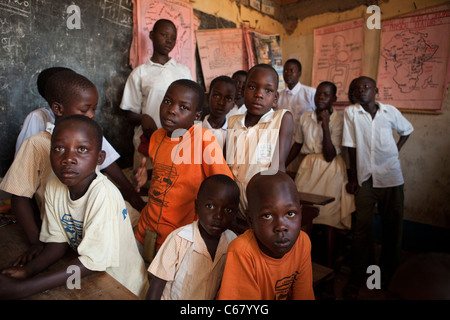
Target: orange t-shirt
x,y
252,275
179,167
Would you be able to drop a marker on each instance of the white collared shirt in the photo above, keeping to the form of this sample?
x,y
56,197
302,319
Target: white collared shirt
x,y
298,100
146,86
219,133
376,149
185,263
310,132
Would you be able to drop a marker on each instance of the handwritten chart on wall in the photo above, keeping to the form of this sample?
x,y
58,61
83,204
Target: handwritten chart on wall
x,y
147,12
34,35
414,61
338,55
221,52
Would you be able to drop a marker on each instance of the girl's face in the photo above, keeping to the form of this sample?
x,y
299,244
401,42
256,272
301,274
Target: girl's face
x,y
85,104
261,91
164,38
324,97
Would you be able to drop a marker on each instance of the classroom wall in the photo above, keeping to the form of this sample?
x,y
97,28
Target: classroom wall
x,y
425,157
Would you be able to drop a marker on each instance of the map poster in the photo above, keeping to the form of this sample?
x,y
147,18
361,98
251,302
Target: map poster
x,y
146,13
413,66
222,52
268,50
338,55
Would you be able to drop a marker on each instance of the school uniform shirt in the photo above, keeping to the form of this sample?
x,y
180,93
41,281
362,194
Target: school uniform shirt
x,y
145,89
43,119
376,149
98,227
35,121
27,175
252,275
310,133
219,133
185,263
237,110
298,100
252,149
318,176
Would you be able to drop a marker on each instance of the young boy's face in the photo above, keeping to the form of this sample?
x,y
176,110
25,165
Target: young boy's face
x,y
164,38
221,99
240,84
179,108
261,91
275,214
85,104
74,155
365,90
324,97
216,207
291,73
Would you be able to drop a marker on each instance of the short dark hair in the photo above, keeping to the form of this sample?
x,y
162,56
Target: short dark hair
x,y
329,83
162,21
196,88
43,77
239,73
64,86
222,180
299,65
264,66
98,131
225,79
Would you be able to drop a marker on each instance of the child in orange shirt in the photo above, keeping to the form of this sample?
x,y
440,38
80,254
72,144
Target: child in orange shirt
x,y
183,155
271,261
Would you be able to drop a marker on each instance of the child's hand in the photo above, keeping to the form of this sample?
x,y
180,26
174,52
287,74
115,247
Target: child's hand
x,y
352,187
15,272
29,255
324,116
140,175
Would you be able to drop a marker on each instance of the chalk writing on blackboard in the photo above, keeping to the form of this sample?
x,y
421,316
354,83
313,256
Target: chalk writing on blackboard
x,y
118,13
19,7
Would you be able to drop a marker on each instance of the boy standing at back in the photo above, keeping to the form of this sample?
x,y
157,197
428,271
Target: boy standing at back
x,y
84,211
182,158
272,260
147,84
375,178
296,97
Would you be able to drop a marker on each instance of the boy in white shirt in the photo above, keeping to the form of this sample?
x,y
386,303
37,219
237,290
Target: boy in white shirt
x,y
147,85
189,265
84,211
296,97
375,178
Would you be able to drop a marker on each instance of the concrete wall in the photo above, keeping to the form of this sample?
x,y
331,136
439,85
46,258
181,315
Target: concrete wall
x,y
426,156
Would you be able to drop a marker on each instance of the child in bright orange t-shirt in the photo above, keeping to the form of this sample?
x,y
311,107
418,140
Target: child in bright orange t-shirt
x,y
272,260
183,155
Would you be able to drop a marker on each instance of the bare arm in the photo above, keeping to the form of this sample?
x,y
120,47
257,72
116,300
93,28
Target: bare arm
x,y
28,216
293,153
156,288
401,142
21,282
285,139
352,185
328,149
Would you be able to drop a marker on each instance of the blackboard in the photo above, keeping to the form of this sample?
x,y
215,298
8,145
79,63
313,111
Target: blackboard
x,y
35,35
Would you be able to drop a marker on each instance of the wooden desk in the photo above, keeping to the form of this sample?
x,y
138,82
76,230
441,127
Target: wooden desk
x,y
314,199
96,286
310,209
